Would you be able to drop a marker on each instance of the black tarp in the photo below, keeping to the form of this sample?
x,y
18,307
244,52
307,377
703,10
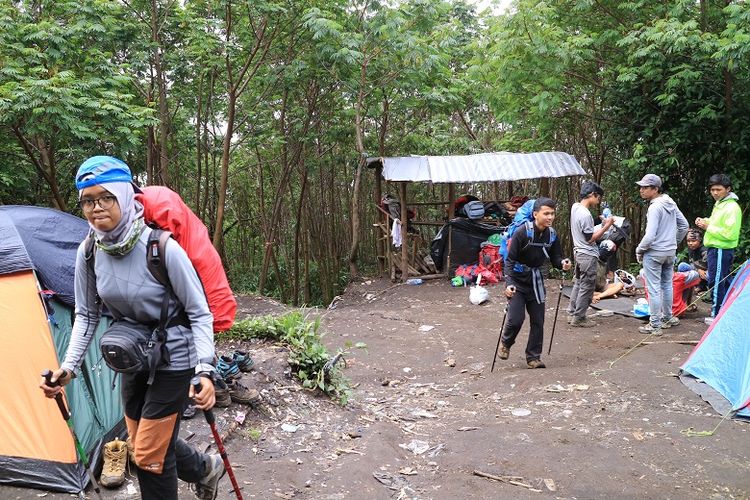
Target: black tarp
x,y
50,239
467,237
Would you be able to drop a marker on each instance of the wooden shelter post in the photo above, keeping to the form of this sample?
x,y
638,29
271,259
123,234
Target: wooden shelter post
x,y
451,211
380,244
404,232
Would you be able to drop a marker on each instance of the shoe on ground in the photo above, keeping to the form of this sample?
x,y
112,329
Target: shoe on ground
x,y
241,394
673,321
535,363
243,360
221,392
189,411
709,320
650,330
504,352
227,368
582,322
113,470
208,487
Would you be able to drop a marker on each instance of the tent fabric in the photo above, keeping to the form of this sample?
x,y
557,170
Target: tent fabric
x,y
13,255
484,167
467,237
36,448
50,238
721,358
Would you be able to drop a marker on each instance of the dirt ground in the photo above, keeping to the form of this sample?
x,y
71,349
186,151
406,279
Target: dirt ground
x,y
601,421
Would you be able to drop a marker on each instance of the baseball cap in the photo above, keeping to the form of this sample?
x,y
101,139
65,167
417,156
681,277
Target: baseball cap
x,y
651,180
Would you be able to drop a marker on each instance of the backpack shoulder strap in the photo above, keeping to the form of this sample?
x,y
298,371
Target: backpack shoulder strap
x,y
89,255
155,251
88,251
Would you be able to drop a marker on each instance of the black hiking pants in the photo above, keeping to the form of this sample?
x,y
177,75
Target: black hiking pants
x,y
152,414
521,302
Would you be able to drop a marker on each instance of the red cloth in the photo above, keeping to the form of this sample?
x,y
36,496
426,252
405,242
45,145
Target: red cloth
x,y
164,208
679,286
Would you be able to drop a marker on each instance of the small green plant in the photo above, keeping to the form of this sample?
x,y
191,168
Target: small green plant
x,y
253,434
308,357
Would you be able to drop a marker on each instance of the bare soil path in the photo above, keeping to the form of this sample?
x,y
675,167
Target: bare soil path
x,y
426,412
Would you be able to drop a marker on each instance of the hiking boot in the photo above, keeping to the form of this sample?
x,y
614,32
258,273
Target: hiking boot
x,y
243,360
241,394
208,487
650,330
221,391
504,352
673,321
113,470
582,322
535,363
227,368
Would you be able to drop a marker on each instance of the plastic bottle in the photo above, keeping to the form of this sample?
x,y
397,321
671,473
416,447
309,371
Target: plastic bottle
x,y
414,281
606,212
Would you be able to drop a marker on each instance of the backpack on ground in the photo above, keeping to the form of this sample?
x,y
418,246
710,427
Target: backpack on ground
x,y
490,258
164,209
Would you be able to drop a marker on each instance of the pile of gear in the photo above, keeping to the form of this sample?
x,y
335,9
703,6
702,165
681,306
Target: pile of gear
x,y
229,370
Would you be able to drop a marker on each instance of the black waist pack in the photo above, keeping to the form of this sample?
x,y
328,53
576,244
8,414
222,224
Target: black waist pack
x,y
131,347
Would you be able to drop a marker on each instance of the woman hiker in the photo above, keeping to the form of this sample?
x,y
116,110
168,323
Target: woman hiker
x,y
120,280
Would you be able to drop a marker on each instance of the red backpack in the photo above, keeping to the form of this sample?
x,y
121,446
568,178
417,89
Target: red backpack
x,y
163,208
490,258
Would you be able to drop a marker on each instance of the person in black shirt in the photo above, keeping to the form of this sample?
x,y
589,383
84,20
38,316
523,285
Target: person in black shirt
x,y
530,247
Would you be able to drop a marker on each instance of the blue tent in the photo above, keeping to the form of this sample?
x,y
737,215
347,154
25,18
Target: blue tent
x,y
722,357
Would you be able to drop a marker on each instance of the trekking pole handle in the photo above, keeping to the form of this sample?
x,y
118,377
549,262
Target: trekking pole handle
x,y
196,383
47,374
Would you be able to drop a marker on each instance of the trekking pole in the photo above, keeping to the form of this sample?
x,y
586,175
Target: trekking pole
x,y
502,325
47,374
209,414
557,310
497,347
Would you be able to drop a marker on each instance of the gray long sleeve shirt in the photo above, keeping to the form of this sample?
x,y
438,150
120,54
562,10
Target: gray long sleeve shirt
x,y
666,227
130,292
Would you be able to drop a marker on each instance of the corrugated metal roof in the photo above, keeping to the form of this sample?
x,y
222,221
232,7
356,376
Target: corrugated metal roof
x,y
484,167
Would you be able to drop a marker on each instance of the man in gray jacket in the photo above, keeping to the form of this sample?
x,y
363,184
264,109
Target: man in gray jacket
x,y
665,229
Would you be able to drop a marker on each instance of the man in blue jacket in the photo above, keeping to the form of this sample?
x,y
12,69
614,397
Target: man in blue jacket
x,y
665,229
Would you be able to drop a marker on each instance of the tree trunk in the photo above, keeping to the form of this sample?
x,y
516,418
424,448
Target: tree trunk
x,y
164,118
360,144
297,231
218,240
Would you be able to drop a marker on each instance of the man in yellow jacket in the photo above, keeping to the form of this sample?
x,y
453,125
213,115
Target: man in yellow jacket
x,y
722,233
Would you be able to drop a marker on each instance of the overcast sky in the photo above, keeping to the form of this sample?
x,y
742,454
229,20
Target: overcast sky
x,y
499,5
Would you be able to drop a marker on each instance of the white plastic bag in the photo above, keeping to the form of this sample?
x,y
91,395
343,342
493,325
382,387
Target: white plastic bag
x,y
478,293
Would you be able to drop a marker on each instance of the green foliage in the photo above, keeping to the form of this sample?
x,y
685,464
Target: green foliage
x,y
626,87
308,356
